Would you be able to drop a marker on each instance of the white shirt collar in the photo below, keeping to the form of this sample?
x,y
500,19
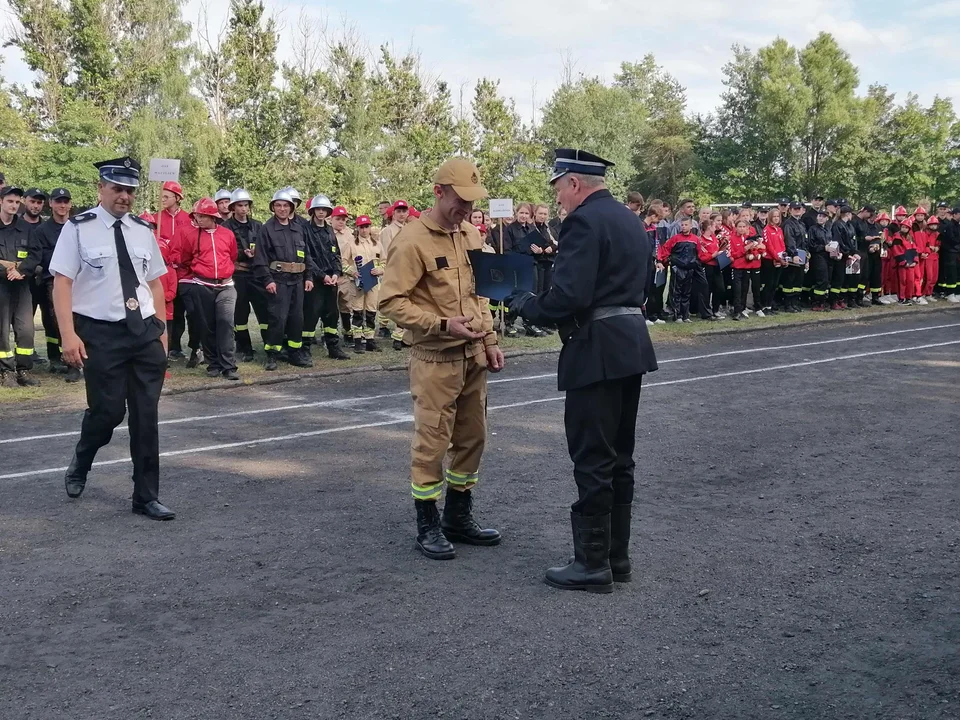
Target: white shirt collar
x,y
109,219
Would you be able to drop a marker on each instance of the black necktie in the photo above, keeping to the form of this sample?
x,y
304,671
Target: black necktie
x,y
128,282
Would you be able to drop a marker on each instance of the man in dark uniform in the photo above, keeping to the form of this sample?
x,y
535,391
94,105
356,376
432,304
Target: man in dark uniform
x,y
16,250
809,218
249,292
110,303
596,298
320,304
45,236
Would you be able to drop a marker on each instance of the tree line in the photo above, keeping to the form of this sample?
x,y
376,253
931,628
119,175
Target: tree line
x,y
363,125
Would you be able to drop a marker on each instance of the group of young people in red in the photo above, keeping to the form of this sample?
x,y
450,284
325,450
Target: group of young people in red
x,y
822,256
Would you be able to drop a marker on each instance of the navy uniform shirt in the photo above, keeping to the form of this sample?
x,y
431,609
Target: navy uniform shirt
x,y
86,252
601,262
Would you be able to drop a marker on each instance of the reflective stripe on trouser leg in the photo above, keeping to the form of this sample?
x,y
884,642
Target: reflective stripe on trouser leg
x,y
449,411
462,481
426,492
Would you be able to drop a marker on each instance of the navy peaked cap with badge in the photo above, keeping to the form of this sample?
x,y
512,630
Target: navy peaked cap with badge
x,y
120,171
59,194
578,161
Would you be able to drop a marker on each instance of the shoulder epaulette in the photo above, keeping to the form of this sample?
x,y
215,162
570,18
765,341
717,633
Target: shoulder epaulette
x,y
82,218
141,221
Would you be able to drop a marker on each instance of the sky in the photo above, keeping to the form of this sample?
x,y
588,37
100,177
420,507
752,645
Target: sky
x,y
908,45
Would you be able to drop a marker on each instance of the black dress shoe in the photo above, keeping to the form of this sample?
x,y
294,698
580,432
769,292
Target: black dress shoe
x,y
231,375
74,480
154,510
73,375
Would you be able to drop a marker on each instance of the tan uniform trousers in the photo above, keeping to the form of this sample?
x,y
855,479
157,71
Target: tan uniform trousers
x,y
450,413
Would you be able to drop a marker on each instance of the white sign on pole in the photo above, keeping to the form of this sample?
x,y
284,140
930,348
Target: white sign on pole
x,y
162,170
502,208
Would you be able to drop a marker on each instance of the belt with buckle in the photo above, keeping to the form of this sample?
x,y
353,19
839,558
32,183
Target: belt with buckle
x,y
600,313
288,267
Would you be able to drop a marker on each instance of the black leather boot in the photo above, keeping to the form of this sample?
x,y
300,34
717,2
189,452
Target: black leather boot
x,y
458,523
372,346
590,569
430,538
300,357
271,361
359,346
620,543
333,348
75,479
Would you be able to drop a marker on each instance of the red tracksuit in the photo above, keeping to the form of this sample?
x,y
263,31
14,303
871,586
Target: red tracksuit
x,y
930,266
890,281
906,275
169,280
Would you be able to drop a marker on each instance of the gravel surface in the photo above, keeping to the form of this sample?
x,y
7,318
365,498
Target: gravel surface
x,y
795,551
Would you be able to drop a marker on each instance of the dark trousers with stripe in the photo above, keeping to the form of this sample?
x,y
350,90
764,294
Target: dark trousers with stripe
x,y
321,305
16,310
819,277
873,274
791,279
949,273
285,316
601,422
838,279
123,372
250,293
42,291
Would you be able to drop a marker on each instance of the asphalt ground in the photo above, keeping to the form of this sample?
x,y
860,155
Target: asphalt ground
x,y
795,550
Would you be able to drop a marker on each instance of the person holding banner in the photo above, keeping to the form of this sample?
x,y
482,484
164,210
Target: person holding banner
x,y
429,290
596,298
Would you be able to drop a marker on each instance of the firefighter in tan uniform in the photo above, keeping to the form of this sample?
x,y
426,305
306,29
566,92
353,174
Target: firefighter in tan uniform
x,y
428,290
338,222
399,214
363,305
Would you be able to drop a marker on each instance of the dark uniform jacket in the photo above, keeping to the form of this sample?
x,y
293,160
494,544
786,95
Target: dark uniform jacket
x,y
794,236
809,218
17,246
324,250
818,238
43,239
845,236
950,236
282,243
514,238
598,265
247,234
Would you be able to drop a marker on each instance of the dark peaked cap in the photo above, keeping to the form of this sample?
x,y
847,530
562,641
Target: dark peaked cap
x,y
121,171
578,161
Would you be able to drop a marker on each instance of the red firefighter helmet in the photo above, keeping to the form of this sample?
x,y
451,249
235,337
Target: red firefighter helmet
x,y
174,187
205,206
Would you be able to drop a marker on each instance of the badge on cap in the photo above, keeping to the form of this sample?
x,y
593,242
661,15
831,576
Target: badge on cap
x,y
132,304
126,164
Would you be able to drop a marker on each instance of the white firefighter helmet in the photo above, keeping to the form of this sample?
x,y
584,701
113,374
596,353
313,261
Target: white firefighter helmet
x,y
321,201
283,195
222,194
240,195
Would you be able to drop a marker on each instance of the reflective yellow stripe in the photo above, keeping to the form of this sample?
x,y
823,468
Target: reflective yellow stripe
x,y
24,351
307,334
6,354
263,326
21,254
876,290
426,492
268,348
299,253
240,328
819,292
462,479
294,345
53,341
330,330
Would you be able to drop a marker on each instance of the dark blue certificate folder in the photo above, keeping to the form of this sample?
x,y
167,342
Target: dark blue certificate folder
x,y
498,276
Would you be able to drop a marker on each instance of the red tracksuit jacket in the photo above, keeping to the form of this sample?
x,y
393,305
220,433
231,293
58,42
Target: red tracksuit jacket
x,y
738,251
206,253
706,248
773,239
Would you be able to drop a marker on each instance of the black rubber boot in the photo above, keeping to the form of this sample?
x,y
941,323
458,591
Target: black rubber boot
x,y
620,543
73,375
300,357
398,345
372,346
359,346
590,569
271,361
333,348
458,523
75,479
346,321
430,538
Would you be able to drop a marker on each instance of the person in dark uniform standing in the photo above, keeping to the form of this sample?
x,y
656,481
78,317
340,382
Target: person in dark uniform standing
x,y
596,299
320,304
45,235
110,307
249,293
16,308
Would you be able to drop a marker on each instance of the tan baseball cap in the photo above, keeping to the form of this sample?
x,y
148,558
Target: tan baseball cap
x,y
463,176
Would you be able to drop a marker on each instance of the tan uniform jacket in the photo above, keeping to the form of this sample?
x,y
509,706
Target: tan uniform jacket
x,y
387,235
429,278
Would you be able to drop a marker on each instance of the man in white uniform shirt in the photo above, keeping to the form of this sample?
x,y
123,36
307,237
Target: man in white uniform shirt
x,y
107,295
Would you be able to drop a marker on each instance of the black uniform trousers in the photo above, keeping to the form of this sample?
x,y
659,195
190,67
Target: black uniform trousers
x,y
42,291
792,282
544,277
682,287
600,422
123,371
285,315
182,321
838,279
769,279
700,294
716,286
250,293
213,310
949,273
743,280
16,309
321,305
654,306
819,277
874,273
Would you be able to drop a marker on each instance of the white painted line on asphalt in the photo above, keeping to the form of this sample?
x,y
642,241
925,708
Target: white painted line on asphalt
x,y
409,418
496,381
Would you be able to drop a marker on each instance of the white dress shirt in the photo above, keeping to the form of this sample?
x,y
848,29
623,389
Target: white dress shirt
x,y
86,252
